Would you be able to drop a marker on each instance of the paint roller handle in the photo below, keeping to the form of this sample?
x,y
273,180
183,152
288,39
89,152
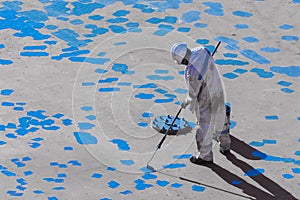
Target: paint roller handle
x,y
164,138
215,50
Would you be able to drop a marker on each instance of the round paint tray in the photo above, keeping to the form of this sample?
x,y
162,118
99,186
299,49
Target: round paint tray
x,y
180,126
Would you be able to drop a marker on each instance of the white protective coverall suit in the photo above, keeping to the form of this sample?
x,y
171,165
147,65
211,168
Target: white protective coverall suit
x,y
206,99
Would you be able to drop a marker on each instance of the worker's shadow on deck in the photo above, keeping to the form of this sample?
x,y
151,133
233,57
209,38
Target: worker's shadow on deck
x,y
275,190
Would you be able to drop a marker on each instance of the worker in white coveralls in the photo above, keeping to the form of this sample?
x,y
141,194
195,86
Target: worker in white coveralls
x,y
206,99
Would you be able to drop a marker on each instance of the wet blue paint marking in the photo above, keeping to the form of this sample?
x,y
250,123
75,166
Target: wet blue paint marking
x,y
198,188
146,170
296,170
7,92
200,25
176,185
108,80
120,43
270,49
109,89
117,29
111,169
230,75
256,144
91,117
34,54
174,166
85,125
180,91
70,37
100,71
121,13
86,108
50,42
290,38
286,27
183,156
252,55
287,176
123,68
262,73
158,77
297,153
2,46
143,124
162,183
96,175
95,61
144,96
233,44
141,185
215,9
5,62
161,91
236,182
190,16
74,53
76,22
272,117
148,176
254,172
117,20
163,30
242,13
292,71
161,71
85,138
96,17
240,71
147,115
296,1
127,162
126,192
14,193
67,122
122,144
241,26
85,8
113,184
230,55
269,141
287,90
68,148
250,39
124,83
231,62
144,86
183,29
38,192
51,27
164,100
41,47
87,84
202,41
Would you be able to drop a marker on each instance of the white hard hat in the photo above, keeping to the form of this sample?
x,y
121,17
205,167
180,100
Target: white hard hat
x,y
178,52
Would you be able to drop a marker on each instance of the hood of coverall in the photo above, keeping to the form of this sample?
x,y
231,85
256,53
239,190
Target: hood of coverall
x,y
178,52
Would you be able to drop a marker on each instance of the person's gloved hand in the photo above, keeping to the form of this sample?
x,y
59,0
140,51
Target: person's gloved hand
x,y
184,104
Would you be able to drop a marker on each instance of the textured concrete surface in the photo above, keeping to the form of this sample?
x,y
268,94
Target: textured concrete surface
x,y
81,83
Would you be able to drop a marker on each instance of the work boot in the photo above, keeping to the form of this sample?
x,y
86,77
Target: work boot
x,y
225,152
199,161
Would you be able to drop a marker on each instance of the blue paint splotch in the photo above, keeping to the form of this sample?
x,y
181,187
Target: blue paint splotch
x,y
291,71
250,39
190,16
215,9
144,96
127,162
270,49
176,185
162,183
121,144
183,156
286,27
70,37
287,176
147,115
254,172
241,26
159,77
6,92
141,185
174,166
122,68
148,176
233,62
240,13
287,90
85,8
232,44
271,117
113,184
108,80
198,188
85,125
290,38
143,124
109,89
230,75
5,62
262,73
252,55
85,138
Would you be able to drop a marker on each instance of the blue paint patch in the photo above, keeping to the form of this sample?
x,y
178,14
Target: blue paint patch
x,y
123,68
96,17
2,142
292,71
241,26
252,55
117,20
147,115
284,83
174,166
290,38
41,47
256,144
5,62
163,30
269,141
230,55
148,176
286,27
240,71
262,73
230,75
287,90
85,138
180,91
51,27
198,188
287,176
6,92
100,71
164,100
109,89
200,25
183,29
202,41
143,124
34,145
161,71
120,43
86,108
126,192
232,44
85,125
59,188
146,170
162,183
190,16
296,170
34,54
111,169
270,49
235,182
91,117
144,96
297,153
70,54
127,162
242,13
96,61
215,9
70,37
85,8
231,62
14,193
117,29
176,185
250,39
183,156
50,42
254,172
2,46
108,80
141,185
38,192
122,144
145,86
271,117
68,148
113,184
296,1
158,77
121,13
76,22
11,135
